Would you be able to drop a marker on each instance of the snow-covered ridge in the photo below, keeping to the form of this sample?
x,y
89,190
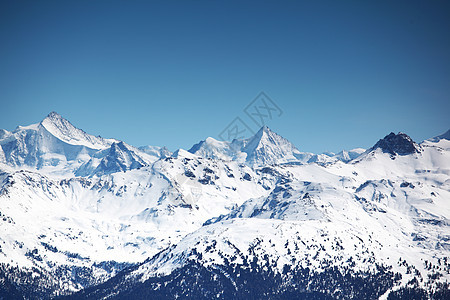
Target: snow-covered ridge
x,y
256,205
62,129
266,148
56,147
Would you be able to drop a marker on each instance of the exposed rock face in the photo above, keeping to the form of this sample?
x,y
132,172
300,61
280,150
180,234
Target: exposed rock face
x,y
397,144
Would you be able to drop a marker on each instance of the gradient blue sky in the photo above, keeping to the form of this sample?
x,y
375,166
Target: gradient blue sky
x,y
345,73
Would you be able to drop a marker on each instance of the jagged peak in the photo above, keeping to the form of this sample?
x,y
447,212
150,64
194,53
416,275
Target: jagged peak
x,y
53,119
62,129
397,144
54,115
265,136
56,118
264,147
265,130
268,147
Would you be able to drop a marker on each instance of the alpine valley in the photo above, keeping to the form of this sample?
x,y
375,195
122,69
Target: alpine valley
x,y
84,217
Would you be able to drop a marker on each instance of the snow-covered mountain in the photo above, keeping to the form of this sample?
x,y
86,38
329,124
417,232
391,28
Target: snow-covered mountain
x,y
442,141
268,148
159,152
254,218
374,228
55,146
264,148
349,155
397,144
117,158
223,150
63,130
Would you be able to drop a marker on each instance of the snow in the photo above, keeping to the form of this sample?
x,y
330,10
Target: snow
x,y
347,156
66,132
105,200
396,217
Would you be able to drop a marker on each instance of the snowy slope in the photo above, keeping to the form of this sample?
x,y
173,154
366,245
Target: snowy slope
x,y
399,209
77,209
124,218
380,218
442,141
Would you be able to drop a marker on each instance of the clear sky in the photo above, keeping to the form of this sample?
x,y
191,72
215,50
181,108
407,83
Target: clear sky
x,y
344,73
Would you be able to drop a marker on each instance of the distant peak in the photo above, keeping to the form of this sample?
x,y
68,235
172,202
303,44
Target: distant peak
x,y
56,119
267,147
62,129
264,135
53,115
394,144
265,129
444,136
262,132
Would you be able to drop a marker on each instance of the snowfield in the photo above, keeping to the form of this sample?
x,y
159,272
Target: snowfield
x,y
77,211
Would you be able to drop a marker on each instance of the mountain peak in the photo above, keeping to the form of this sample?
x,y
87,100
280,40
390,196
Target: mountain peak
x,y
264,137
268,147
397,144
53,119
262,134
264,130
62,129
54,115
264,148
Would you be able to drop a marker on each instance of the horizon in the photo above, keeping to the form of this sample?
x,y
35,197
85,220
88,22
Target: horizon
x,y
204,139
337,76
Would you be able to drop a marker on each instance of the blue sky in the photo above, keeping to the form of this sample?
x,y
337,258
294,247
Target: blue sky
x,y
344,73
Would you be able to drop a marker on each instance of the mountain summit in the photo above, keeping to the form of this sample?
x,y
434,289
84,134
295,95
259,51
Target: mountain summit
x,y
267,147
397,144
58,146
264,148
62,129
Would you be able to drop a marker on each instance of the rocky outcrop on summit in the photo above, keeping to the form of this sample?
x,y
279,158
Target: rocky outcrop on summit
x,y
397,144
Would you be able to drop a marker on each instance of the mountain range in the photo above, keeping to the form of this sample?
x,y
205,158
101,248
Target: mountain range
x,y
84,217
